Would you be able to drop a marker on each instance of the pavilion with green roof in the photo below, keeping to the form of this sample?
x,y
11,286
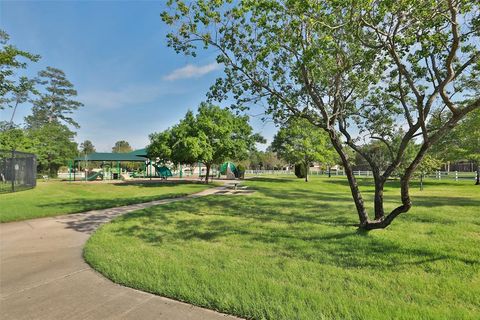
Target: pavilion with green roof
x,y
139,155
134,156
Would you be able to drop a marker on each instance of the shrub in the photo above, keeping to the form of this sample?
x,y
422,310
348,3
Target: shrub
x,y
240,172
300,170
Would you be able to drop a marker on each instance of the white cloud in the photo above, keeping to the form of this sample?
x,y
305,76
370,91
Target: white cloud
x,y
191,71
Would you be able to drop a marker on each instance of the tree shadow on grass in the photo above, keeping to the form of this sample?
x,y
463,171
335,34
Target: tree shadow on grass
x,y
298,190
84,216
156,183
80,205
435,201
304,234
393,183
265,179
296,222
363,182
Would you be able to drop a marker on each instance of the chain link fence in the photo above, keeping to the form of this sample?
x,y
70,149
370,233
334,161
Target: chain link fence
x,y
18,171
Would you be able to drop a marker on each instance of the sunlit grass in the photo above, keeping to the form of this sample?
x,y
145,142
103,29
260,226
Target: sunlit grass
x,y
291,251
60,197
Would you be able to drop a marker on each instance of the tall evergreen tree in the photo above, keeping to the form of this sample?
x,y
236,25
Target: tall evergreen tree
x,y
57,103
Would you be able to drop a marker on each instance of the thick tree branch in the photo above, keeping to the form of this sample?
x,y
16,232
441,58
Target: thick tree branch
x,y
450,58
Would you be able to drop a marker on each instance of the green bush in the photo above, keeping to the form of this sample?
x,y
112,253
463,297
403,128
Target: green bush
x,y
300,170
240,172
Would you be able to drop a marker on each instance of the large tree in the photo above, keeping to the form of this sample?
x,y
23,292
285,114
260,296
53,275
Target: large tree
x,y
14,138
121,146
257,159
270,160
211,136
86,147
161,146
53,145
359,70
298,141
56,103
14,89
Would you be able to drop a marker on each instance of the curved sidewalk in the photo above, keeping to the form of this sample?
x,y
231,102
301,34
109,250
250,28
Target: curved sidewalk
x,y
43,274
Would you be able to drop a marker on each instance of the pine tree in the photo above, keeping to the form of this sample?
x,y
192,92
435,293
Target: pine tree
x,y
56,104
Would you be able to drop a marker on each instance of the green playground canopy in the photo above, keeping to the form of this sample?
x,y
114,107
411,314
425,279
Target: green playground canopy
x,y
140,153
134,156
227,166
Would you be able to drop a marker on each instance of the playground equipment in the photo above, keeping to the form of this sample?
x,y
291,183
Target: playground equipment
x,y
95,175
153,170
111,169
228,169
110,164
162,172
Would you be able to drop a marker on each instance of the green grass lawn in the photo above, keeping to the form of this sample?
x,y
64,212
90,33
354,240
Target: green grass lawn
x,y
290,251
58,197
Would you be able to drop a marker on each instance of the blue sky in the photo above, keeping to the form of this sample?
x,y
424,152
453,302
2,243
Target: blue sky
x,y
115,53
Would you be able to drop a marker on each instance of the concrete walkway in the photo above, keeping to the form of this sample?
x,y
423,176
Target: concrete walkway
x,y
43,274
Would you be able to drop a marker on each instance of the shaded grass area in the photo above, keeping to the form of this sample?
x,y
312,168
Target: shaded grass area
x,y
291,251
58,197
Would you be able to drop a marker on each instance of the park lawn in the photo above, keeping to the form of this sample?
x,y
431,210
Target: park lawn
x,y
291,251
59,197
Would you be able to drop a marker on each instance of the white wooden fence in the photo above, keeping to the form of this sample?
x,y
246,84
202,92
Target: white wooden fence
x,y
439,175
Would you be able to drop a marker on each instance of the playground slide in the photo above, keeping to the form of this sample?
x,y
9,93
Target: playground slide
x,y
94,176
125,177
162,172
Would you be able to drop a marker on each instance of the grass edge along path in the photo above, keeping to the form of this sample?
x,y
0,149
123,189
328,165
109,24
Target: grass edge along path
x,y
290,252
55,198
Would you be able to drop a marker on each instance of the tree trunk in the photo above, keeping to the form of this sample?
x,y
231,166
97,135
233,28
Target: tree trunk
x,y
53,171
357,196
405,193
378,199
306,171
477,182
405,180
208,165
386,221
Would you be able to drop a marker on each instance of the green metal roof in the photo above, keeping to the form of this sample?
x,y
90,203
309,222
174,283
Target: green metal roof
x,y
134,156
140,153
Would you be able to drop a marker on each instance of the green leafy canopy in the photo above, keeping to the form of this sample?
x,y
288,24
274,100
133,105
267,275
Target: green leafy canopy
x,y
211,136
299,141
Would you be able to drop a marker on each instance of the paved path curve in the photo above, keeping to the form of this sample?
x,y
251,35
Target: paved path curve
x,y
43,274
